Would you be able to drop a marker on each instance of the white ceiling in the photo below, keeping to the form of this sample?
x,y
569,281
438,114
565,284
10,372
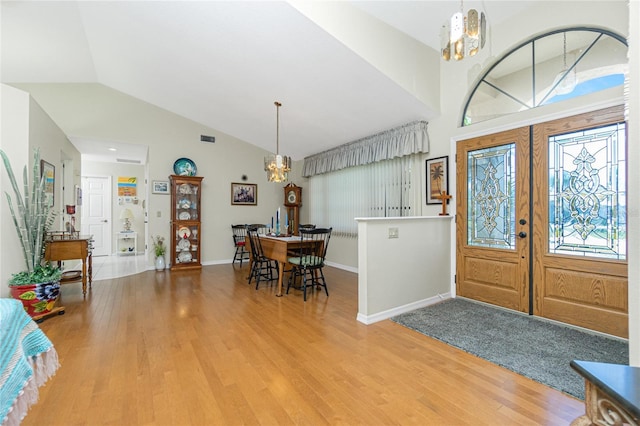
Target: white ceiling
x,y
223,64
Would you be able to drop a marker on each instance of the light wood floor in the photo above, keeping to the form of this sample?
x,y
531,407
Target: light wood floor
x,y
204,348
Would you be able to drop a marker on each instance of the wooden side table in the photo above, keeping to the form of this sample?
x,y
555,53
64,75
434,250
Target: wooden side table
x,y
70,249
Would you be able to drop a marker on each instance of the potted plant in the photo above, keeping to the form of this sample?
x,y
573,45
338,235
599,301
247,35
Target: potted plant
x,y
38,286
159,249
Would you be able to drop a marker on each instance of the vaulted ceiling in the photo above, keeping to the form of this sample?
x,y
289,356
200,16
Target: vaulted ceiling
x,y
224,63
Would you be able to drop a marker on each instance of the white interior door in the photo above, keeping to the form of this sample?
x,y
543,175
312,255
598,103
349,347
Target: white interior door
x,y
96,212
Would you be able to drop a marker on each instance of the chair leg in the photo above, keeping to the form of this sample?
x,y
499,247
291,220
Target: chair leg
x,y
259,273
324,283
295,272
252,272
304,284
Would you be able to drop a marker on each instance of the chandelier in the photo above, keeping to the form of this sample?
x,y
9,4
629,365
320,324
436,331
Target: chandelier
x,y
463,35
277,166
566,80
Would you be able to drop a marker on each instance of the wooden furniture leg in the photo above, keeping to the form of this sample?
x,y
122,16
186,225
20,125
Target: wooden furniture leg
x,y
84,276
280,278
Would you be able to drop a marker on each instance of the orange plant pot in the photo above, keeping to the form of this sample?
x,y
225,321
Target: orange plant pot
x,y
37,299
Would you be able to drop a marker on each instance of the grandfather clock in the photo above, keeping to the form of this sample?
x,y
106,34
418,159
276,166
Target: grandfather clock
x,y
292,201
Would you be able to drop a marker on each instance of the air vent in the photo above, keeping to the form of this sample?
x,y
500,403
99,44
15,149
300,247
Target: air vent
x,y
205,138
126,160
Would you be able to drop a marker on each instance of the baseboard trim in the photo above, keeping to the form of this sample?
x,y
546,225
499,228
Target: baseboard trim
x,y
390,313
343,267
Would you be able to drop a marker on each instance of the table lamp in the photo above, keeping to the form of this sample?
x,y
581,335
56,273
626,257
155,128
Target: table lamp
x,y
126,215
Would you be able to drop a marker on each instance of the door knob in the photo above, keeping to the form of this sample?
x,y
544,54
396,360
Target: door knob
x,y
522,235
105,221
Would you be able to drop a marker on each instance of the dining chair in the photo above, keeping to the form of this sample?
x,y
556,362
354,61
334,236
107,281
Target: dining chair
x,y
262,268
310,259
239,241
261,227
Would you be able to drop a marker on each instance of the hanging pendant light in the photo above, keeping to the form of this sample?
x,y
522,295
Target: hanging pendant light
x,y
277,166
462,35
566,80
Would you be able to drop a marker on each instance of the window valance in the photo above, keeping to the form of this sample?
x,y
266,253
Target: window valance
x,y
410,138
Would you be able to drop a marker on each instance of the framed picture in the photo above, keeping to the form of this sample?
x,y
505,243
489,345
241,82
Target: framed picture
x,y
244,194
437,178
160,187
78,195
48,171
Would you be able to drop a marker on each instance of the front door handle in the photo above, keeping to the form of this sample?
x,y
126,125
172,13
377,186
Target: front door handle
x,y
522,234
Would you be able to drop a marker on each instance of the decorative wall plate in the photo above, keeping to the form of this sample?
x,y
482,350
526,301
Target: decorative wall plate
x,y
184,257
184,189
184,167
184,244
184,231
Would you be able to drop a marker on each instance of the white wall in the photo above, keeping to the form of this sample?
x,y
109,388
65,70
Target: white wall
x,y
396,275
15,143
26,126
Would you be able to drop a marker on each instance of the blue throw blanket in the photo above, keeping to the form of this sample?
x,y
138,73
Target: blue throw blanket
x,y
27,360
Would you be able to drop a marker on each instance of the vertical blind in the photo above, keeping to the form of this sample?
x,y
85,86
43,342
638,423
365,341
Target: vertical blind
x,y
382,189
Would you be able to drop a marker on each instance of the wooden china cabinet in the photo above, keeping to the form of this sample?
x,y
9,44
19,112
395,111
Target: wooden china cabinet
x,y
184,248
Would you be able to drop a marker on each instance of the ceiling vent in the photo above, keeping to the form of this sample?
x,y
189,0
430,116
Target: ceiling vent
x,y
126,160
205,138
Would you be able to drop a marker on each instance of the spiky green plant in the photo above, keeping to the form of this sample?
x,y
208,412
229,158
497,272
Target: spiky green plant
x,y
32,215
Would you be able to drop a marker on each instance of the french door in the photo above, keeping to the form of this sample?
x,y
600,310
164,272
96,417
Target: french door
x,y
541,220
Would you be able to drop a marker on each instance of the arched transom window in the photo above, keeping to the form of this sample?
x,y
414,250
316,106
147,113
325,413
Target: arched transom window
x,y
549,68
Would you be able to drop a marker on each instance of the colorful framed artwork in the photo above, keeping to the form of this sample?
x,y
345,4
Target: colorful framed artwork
x,y
437,178
48,172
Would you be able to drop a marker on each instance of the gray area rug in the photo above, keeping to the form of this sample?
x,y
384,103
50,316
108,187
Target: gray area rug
x,y
530,346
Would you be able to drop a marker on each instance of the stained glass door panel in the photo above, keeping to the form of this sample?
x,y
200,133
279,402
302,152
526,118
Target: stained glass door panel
x,y
587,192
493,224
579,205
491,197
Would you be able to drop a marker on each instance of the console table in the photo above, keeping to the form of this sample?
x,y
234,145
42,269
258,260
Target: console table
x,y
59,249
127,241
612,393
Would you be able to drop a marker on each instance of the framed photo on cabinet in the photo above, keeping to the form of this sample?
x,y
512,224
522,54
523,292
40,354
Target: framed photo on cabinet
x,y
437,178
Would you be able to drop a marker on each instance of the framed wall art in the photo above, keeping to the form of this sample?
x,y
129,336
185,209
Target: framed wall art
x,y
160,187
244,194
437,178
48,171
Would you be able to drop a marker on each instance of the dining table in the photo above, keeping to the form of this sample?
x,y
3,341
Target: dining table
x,y
278,248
